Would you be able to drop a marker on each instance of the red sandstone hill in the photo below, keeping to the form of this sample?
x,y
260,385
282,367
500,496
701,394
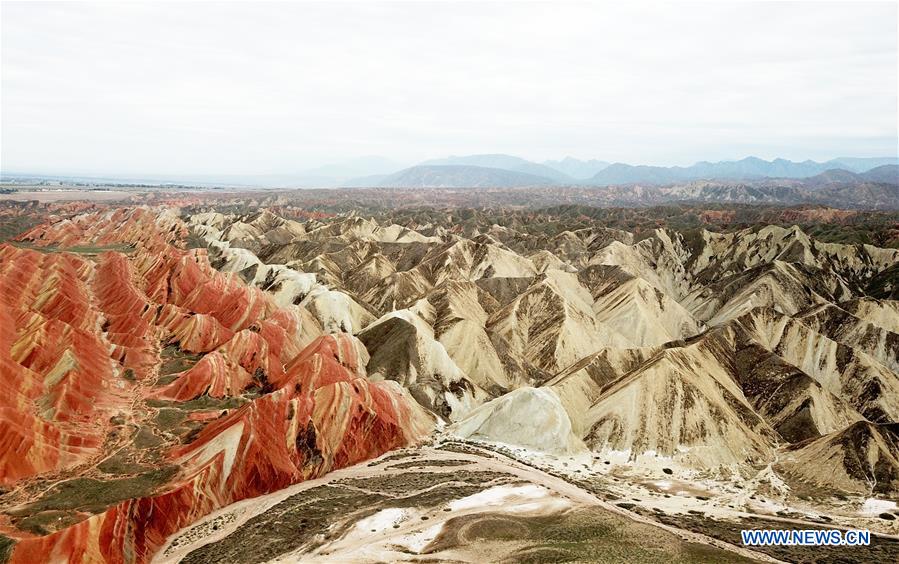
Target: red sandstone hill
x,y
142,389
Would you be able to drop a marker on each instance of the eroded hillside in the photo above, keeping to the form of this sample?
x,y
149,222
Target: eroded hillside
x,y
150,384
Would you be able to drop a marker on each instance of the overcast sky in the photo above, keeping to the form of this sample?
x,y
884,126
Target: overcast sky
x,y
273,88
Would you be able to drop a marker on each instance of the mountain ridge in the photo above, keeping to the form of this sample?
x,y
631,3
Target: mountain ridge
x,y
460,176
207,355
748,168
373,171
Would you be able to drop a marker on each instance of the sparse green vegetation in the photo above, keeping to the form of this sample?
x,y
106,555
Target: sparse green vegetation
x,y
11,227
77,249
118,464
170,418
146,439
175,360
6,546
46,522
202,403
92,495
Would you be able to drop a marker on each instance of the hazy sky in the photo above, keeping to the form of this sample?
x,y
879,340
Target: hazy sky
x,y
268,88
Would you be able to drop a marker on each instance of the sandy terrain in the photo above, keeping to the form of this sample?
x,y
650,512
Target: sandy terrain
x,y
440,527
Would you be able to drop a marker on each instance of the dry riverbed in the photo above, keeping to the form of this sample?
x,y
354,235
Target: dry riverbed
x,y
442,502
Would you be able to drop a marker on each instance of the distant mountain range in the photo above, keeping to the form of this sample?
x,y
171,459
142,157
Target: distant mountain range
x,y
507,170
885,173
877,188
506,162
745,169
450,176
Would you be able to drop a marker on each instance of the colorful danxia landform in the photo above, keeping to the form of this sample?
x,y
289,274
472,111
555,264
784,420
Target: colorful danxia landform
x,y
130,365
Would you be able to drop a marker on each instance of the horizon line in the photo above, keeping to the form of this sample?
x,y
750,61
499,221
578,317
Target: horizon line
x,y
146,175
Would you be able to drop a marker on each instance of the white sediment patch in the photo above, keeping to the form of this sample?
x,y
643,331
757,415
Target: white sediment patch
x,y
516,499
873,506
382,520
417,541
392,532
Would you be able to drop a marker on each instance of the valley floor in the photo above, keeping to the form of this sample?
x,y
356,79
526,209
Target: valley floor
x,y
475,502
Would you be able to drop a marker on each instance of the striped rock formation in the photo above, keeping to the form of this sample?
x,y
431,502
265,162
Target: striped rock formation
x,y
144,389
